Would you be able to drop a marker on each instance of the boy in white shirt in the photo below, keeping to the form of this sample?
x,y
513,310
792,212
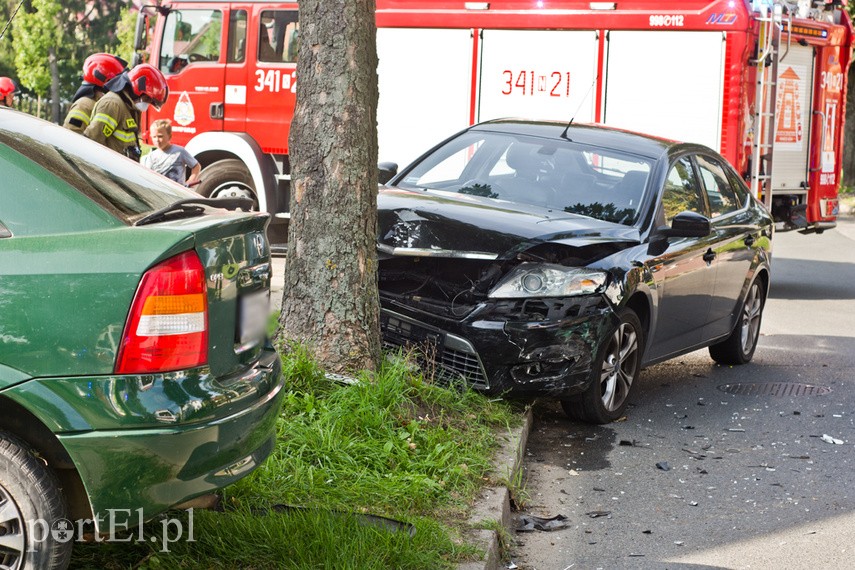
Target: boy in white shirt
x,y
170,159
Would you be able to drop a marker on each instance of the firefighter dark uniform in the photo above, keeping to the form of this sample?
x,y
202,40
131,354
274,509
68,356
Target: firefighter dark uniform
x,y
115,124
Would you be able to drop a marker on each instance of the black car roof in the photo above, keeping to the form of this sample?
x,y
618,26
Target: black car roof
x,y
596,135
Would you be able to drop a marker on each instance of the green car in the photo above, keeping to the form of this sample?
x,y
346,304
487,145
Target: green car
x,y
136,373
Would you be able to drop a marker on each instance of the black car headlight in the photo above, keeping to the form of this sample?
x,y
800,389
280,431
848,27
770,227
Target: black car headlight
x,y
548,280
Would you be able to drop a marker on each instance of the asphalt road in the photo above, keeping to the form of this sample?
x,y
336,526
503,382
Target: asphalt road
x,y
750,481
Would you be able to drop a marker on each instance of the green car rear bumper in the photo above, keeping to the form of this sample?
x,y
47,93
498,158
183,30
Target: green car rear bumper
x,y
156,446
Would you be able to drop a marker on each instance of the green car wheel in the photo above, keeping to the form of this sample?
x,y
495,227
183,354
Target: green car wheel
x,y
30,505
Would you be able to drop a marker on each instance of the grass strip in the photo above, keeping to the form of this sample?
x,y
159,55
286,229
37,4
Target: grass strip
x,y
393,445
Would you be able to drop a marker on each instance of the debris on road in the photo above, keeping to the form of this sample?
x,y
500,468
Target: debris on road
x,y
828,439
529,523
663,465
597,514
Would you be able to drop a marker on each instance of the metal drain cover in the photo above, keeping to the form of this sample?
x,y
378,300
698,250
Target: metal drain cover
x,y
774,389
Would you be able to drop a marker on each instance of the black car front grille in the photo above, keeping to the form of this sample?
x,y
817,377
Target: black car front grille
x,y
447,358
437,286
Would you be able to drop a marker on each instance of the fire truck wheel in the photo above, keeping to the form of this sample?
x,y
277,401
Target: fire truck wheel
x,y
739,347
227,178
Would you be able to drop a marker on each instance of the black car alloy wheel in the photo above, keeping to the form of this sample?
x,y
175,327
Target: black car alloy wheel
x,y
739,347
613,375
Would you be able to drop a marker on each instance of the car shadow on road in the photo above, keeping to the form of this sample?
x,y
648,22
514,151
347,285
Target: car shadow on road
x,y
810,280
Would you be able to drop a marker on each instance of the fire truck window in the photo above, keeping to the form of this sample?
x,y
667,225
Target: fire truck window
x,y
190,36
278,36
682,191
237,36
721,196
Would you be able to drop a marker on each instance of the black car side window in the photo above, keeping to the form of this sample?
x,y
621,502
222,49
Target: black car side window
x,y
721,196
682,191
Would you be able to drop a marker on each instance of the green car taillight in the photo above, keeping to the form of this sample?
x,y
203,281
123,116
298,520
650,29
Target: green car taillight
x,y
167,328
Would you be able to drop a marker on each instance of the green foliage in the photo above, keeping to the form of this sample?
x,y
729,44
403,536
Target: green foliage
x,y
7,50
355,469
125,34
71,29
37,33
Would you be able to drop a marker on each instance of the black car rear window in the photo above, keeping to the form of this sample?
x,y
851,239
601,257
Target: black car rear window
x,y
118,185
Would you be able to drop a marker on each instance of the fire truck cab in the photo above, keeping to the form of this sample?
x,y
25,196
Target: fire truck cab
x,y
761,81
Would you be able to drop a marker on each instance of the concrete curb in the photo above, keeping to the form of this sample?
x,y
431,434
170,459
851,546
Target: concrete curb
x,y
494,503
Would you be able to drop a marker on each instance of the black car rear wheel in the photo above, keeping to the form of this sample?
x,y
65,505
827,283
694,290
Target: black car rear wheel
x,y
613,375
31,506
739,347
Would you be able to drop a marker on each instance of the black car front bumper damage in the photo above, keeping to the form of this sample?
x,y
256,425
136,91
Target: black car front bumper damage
x,y
515,348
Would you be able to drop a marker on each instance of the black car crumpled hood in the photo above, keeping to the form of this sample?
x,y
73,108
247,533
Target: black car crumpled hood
x,y
461,224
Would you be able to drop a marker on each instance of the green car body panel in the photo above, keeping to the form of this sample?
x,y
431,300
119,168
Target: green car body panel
x,y
70,266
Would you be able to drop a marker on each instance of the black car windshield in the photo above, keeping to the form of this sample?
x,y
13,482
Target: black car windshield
x,y
120,186
556,174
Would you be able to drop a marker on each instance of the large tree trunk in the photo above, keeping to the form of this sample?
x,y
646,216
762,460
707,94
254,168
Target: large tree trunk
x,y
330,299
54,86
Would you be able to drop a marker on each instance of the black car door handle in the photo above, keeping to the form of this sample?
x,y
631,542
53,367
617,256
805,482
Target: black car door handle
x,y
749,240
709,256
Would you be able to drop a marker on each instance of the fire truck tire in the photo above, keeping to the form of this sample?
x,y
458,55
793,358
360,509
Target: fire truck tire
x,y
227,178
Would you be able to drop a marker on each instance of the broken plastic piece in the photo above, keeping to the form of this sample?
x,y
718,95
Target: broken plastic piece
x,y
828,439
597,514
663,465
383,523
529,523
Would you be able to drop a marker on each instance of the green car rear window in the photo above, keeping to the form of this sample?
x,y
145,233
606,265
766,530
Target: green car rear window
x,y
117,185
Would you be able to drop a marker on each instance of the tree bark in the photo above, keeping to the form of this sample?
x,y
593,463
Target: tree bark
x,y
330,302
54,86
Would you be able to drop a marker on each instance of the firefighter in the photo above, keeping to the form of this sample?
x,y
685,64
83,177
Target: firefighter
x,y
98,69
116,116
7,92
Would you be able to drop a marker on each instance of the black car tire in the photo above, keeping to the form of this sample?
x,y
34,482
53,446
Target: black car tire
x,y
613,376
29,492
739,347
227,178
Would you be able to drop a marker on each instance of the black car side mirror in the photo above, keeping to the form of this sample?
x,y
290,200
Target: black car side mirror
x,y
684,224
385,171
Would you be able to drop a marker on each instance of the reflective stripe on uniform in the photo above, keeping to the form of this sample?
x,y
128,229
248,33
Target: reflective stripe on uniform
x,y
125,136
107,120
78,114
110,128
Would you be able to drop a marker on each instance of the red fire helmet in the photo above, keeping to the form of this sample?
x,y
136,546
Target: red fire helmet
x,y
149,84
99,68
7,86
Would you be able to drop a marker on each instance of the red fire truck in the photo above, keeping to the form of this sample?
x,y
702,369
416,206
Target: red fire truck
x,y
763,82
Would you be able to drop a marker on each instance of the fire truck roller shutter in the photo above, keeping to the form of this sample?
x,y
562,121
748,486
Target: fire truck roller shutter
x,y
232,150
790,153
668,84
425,83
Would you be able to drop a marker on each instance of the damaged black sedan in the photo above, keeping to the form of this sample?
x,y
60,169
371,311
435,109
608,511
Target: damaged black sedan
x,y
538,259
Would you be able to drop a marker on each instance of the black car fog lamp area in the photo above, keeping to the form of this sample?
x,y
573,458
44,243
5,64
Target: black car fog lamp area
x,y
548,280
